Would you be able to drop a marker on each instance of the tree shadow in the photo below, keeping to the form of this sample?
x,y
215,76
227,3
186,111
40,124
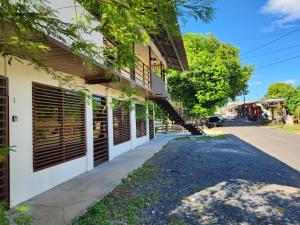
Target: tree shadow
x,y
223,182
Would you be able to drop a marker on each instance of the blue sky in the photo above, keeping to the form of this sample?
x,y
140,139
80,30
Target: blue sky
x,y
248,24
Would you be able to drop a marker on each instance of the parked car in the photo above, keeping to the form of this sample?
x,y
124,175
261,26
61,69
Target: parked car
x,y
214,121
220,116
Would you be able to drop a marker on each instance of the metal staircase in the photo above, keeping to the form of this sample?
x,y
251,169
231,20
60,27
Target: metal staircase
x,y
176,117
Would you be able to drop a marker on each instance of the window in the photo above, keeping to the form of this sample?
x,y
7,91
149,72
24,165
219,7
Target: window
x,y
151,124
141,129
4,168
58,126
100,130
121,123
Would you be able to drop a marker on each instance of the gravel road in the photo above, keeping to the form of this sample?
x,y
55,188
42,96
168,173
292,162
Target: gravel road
x,y
221,182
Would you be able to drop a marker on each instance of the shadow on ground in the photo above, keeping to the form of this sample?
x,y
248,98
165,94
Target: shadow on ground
x,y
221,182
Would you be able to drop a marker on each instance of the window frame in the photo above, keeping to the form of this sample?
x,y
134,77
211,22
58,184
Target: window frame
x,y
61,148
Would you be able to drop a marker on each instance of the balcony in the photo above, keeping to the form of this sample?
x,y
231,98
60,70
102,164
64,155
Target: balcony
x,y
148,76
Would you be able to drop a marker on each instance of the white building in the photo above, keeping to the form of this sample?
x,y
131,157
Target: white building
x,y
57,136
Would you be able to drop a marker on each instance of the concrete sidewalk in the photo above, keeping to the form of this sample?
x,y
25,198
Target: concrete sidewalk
x,y
69,200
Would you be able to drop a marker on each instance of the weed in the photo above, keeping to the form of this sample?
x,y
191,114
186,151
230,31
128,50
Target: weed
x,y
212,137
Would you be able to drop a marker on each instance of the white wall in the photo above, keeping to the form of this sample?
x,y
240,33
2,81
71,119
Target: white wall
x,y
70,12
24,183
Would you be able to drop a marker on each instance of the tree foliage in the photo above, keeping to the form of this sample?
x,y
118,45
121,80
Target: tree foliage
x,y
288,92
280,90
127,21
215,75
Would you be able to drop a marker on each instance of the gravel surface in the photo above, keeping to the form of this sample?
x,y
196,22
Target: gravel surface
x,y
221,182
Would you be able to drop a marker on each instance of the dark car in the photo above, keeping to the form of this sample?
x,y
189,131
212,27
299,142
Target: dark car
x,y
214,121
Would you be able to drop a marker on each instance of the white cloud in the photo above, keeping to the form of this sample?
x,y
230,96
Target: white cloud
x,y
290,81
286,11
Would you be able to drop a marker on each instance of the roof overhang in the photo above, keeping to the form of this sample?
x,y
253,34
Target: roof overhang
x,y
171,46
60,57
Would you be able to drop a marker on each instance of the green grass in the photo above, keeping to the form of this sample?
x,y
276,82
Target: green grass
x,y
123,205
183,138
212,137
288,128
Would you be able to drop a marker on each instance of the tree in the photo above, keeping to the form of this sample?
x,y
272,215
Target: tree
x,y
280,90
288,92
215,75
293,102
127,21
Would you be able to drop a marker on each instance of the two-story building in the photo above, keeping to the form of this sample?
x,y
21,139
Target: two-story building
x,y
57,136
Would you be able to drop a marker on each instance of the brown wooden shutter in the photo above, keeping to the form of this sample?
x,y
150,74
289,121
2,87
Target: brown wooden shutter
x,y
151,123
141,129
4,164
121,123
58,126
100,130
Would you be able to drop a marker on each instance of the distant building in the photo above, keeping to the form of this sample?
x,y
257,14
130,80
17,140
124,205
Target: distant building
x,y
276,104
250,110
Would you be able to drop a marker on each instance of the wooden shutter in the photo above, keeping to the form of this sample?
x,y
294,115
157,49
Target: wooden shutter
x,y
58,126
151,124
4,163
121,123
141,129
100,130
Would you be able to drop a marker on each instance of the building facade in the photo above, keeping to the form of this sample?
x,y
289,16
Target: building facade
x,y
54,133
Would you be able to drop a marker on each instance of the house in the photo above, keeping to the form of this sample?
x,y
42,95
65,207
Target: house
x,y
277,105
55,134
250,110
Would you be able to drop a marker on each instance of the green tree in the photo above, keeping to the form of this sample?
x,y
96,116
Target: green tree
x,y
127,21
288,92
280,90
293,102
215,75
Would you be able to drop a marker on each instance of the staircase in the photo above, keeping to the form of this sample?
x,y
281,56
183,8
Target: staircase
x,y
176,117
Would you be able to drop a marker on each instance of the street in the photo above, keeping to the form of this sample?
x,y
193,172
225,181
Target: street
x,y
281,145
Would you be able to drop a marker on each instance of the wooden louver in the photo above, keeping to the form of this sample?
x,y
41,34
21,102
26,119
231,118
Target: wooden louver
x,y
151,124
4,165
100,130
121,123
141,128
58,126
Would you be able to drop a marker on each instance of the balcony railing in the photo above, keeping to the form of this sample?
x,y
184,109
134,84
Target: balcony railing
x,y
160,71
141,73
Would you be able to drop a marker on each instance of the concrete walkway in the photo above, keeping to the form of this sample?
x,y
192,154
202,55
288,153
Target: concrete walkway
x,y
69,200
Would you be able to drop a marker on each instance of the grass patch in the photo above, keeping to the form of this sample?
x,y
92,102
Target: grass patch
x,y
176,221
183,138
123,205
212,137
288,128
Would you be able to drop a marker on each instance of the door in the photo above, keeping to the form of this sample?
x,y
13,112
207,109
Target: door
x,y
100,130
4,162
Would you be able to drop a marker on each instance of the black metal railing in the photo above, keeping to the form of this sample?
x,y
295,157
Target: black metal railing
x,y
141,73
160,71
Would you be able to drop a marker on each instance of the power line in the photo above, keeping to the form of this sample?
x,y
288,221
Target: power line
x,y
278,62
270,52
261,67
270,42
263,36
257,37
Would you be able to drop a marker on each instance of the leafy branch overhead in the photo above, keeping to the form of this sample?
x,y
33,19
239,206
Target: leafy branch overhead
x,y
127,21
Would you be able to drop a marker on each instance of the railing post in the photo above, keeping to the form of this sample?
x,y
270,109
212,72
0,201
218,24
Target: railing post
x,y
143,74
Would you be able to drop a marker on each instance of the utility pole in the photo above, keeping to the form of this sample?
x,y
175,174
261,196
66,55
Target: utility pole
x,y
244,108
